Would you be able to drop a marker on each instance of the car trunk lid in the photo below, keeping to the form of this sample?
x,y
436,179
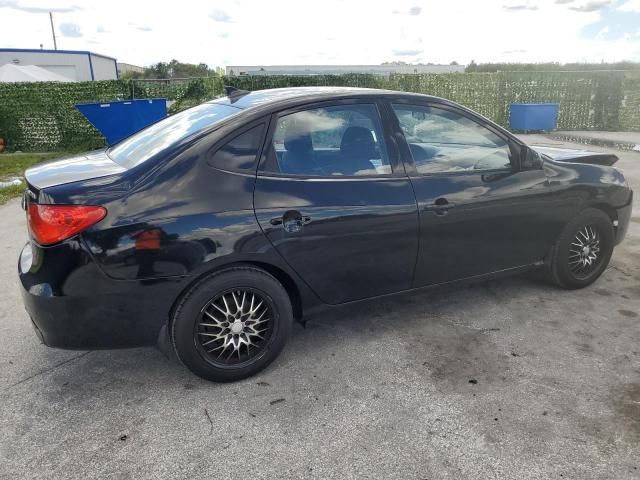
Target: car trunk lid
x,y
72,169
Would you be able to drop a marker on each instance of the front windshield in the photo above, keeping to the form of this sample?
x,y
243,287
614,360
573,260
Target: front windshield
x,y
143,145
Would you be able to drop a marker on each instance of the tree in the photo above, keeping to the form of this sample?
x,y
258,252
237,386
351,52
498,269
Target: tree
x,y
176,69
131,75
549,67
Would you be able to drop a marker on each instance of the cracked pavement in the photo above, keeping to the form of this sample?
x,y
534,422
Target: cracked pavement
x,y
504,379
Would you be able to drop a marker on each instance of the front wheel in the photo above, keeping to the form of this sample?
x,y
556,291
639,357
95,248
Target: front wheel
x,y
232,324
583,250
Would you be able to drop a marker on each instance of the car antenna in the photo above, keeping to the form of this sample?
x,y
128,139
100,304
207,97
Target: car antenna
x,y
234,93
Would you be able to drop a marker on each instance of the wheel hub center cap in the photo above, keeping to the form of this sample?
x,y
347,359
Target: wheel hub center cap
x,y
237,327
586,250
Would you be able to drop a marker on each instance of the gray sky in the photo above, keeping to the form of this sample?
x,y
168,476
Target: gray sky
x,y
331,31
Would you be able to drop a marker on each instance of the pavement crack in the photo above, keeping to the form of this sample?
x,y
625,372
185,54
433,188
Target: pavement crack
x,y
619,269
206,412
474,328
47,370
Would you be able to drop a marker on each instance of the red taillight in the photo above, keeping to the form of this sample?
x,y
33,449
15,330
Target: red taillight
x,y
51,224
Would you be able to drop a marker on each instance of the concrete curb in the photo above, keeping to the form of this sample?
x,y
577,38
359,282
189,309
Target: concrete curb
x,y
602,142
10,182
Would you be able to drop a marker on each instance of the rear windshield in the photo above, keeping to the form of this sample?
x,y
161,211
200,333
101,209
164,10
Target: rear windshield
x,y
143,145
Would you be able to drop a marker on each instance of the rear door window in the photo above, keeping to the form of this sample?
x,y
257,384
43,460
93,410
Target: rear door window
x,y
339,140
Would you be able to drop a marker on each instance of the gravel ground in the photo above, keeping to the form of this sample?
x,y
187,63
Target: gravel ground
x,y
505,379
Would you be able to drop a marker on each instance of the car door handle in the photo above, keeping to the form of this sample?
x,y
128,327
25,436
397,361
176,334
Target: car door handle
x,y
440,207
279,221
292,221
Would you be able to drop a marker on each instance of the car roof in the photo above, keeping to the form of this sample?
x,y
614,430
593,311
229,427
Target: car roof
x,y
276,97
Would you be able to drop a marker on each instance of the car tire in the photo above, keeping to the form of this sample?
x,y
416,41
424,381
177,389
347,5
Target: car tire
x,y
221,333
582,251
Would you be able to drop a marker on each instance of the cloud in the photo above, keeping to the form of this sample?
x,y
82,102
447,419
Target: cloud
x,y
558,33
519,7
630,6
415,10
510,52
408,52
562,2
612,24
220,16
591,6
15,4
71,30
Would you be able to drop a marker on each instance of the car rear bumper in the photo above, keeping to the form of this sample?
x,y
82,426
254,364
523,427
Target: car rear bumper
x,y
84,323
73,305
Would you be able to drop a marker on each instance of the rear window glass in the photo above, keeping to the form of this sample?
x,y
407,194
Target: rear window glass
x,y
143,145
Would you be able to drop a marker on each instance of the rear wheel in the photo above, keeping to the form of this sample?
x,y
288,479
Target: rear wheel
x,y
583,250
232,324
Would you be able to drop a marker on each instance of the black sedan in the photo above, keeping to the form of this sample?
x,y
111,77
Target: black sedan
x,y
215,228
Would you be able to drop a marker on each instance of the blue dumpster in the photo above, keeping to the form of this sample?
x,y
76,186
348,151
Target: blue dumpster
x,y
119,119
534,116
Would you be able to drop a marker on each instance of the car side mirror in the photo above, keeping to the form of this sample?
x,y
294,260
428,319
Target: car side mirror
x,y
531,160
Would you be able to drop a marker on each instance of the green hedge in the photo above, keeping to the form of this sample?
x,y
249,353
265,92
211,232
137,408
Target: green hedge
x,y
42,117
588,100
629,116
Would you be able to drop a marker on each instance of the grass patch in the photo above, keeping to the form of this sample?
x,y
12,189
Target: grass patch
x,y
8,193
14,165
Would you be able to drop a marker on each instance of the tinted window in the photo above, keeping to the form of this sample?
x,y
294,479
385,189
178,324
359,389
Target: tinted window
x,y
141,146
444,141
336,140
239,153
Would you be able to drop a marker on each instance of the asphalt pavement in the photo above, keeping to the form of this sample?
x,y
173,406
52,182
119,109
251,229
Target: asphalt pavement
x,y
505,379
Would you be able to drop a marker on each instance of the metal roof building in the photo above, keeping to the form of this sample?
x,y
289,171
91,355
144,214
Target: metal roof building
x,y
129,68
386,69
76,65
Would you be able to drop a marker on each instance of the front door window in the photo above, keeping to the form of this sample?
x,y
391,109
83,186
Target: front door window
x,y
443,141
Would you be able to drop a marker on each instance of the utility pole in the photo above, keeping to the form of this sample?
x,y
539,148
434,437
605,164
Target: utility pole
x,y
53,32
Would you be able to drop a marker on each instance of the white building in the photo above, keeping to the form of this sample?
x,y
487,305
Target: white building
x,y
74,65
10,73
386,69
124,68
